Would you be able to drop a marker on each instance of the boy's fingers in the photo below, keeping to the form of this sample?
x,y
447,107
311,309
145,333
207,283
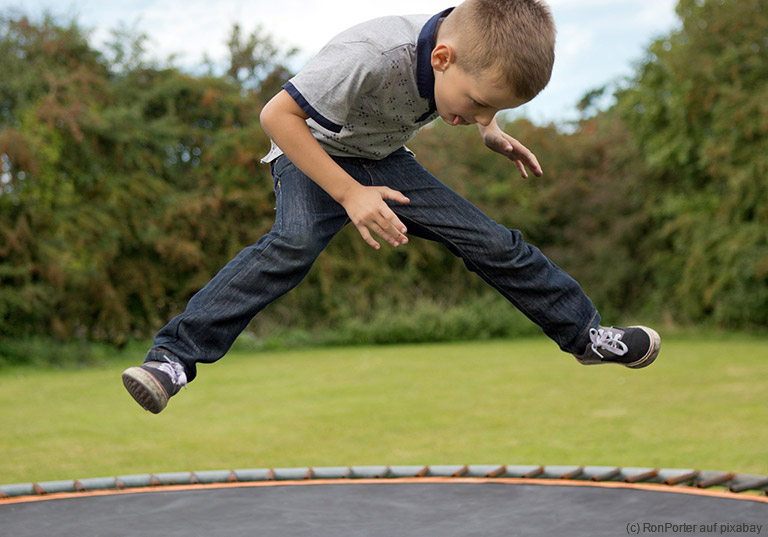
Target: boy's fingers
x,y
376,217
395,227
367,237
392,228
389,230
523,157
535,167
531,163
391,236
394,195
521,168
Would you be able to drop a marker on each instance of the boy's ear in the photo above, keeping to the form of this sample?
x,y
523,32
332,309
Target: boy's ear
x,y
442,56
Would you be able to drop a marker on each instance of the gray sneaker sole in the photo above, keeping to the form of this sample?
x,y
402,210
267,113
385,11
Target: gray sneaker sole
x,y
145,389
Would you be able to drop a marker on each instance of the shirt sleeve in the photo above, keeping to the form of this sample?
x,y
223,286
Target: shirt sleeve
x,y
331,82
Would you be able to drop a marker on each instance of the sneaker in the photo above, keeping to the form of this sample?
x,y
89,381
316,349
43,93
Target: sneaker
x,y
634,347
153,383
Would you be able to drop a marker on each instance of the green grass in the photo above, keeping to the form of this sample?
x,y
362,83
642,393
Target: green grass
x,y
702,405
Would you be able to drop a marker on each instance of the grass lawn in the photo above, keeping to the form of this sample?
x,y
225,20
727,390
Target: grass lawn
x,y
702,405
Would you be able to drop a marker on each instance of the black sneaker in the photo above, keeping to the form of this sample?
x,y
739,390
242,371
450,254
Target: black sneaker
x,y
153,383
634,347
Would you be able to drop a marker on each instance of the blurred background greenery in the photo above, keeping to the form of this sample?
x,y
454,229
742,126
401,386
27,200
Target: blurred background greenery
x,y
125,184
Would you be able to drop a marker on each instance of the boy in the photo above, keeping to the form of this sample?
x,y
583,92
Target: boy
x,y
338,130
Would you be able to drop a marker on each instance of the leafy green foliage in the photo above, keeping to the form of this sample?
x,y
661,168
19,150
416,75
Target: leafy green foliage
x,y
122,190
126,184
699,110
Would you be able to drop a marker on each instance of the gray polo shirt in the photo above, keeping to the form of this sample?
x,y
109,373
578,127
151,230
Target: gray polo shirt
x,y
371,88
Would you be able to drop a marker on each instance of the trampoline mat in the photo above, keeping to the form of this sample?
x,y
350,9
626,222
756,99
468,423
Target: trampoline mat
x,y
386,509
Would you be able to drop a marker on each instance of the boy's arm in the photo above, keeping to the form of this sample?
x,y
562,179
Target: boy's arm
x,y
503,143
285,123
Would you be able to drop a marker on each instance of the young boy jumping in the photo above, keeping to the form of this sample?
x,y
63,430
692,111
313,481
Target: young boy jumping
x,y
338,130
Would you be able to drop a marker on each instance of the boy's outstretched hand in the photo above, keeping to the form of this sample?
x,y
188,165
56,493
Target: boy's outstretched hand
x,y
366,207
501,142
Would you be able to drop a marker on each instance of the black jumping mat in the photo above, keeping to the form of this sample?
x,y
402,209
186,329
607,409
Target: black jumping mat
x,y
387,509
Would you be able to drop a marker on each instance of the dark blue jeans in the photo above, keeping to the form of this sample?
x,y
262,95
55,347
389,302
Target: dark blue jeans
x,y
307,218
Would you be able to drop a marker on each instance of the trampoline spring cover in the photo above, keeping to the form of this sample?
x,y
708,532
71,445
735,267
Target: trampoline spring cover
x,y
383,501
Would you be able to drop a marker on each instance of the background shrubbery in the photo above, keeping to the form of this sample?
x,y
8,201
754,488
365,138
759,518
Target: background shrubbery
x,y
125,185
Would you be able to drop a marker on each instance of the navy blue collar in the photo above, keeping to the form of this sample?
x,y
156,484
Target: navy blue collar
x,y
425,76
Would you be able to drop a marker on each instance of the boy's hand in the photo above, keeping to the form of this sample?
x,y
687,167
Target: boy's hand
x,y
285,122
501,142
367,209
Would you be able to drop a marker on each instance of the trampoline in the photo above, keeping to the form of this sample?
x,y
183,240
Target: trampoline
x,y
444,501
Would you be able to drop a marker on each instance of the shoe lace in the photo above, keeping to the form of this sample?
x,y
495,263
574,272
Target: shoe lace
x,y
608,340
175,371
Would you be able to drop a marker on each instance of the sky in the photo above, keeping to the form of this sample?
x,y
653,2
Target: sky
x,y
599,41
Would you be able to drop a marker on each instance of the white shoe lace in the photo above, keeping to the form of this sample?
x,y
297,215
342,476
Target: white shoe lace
x,y
606,339
175,371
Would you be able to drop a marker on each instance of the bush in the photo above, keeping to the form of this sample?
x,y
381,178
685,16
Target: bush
x,y
485,317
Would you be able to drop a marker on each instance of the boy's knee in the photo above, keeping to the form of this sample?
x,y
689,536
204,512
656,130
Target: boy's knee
x,y
503,242
299,242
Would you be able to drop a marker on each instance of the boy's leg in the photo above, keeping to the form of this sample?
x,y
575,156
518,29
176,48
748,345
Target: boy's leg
x,y
306,220
519,271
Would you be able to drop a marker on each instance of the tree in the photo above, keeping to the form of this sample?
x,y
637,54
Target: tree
x,y
699,108
124,186
256,63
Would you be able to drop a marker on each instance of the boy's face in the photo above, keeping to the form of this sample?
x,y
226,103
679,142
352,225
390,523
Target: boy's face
x,y
465,99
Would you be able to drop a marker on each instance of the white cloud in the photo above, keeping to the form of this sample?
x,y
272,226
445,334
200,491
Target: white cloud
x,y
573,41
656,14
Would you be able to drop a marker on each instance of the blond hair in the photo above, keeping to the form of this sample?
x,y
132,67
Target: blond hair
x,y
514,38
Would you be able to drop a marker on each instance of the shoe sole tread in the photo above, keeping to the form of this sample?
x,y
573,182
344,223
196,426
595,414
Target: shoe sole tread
x,y
145,389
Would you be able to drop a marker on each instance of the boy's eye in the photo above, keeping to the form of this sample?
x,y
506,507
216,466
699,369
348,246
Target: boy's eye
x,y
474,102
